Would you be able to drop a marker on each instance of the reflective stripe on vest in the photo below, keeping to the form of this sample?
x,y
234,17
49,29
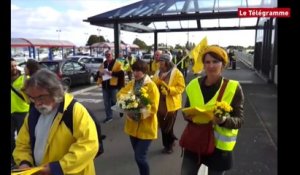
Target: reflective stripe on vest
x,y
225,139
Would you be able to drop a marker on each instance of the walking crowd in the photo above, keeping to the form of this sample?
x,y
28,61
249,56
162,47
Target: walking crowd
x,y
45,140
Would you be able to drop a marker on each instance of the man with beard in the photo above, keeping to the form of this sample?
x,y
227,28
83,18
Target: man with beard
x,y
18,106
46,140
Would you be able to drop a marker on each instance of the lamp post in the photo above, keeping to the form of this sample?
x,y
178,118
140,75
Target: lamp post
x,y
58,33
167,29
87,36
99,30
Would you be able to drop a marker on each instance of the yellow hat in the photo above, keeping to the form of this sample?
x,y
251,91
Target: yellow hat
x,y
219,51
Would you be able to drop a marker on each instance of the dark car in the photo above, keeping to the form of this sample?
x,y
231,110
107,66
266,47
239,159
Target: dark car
x,y
70,72
93,64
78,58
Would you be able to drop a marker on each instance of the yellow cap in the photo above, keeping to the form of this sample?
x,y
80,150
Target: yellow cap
x,y
219,51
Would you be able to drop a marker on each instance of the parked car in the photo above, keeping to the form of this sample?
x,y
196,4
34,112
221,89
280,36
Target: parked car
x,y
21,63
93,64
78,58
70,72
147,58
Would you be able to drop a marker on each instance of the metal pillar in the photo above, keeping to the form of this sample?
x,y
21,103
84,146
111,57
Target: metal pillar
x,y
155,41
117,38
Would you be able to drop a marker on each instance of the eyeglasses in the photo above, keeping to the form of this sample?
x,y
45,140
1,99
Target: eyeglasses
x,y
108,54
41,98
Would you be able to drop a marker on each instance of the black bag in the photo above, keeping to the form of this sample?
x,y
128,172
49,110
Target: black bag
x,y
67,118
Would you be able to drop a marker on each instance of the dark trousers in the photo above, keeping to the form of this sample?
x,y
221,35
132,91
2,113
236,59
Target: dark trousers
x,y
16,123
110,99
166,123
191,163
168,139
140,148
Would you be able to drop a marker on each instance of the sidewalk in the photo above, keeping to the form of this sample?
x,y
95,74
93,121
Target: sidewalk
x,y
256,148
255,152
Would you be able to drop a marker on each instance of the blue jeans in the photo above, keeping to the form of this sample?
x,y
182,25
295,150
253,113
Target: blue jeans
x,y
110,99
140,148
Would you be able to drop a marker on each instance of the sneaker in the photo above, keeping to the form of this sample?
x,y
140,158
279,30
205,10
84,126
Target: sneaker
x,y
107,120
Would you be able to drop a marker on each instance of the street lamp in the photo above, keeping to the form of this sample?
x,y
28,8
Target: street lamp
x,y
99,30
87,36
58,33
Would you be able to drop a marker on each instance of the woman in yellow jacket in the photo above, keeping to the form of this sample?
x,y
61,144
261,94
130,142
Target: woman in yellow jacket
x,y
143,130
171,84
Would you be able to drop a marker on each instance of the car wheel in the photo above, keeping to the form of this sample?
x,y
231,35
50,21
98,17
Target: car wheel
x,y
66,84
91,79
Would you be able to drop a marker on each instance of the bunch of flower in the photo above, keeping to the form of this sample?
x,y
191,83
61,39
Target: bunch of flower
x,y
135,104
222,109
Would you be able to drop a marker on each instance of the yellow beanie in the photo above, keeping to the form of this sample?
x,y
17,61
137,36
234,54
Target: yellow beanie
x,y
219,51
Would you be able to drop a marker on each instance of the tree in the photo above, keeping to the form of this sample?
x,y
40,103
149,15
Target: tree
x,y
95,39
140,43
178,46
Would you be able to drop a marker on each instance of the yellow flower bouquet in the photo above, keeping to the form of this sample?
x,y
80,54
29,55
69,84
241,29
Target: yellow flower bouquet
x,y
135,104
222,109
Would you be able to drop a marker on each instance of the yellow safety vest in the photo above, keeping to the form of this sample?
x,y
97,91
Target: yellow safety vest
x,y
17,104
225,138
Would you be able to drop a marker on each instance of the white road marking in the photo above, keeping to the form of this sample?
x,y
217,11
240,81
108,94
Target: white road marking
x,y
88,100
91,93
84,90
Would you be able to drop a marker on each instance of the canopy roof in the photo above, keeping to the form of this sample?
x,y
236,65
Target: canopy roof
x,y
180,15
22,42
112,45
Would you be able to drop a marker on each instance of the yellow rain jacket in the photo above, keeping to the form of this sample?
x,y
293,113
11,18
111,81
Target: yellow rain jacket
x,y
147,127
154,67
65,153
176,85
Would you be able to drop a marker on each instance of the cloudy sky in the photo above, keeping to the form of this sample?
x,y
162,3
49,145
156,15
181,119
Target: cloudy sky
x,y
63,20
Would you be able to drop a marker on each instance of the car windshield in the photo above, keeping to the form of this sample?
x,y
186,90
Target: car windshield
x,y
98,60
147,57
53,66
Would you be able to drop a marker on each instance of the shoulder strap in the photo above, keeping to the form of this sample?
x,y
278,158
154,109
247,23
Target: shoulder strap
x,y
67,117
17,92
222,89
